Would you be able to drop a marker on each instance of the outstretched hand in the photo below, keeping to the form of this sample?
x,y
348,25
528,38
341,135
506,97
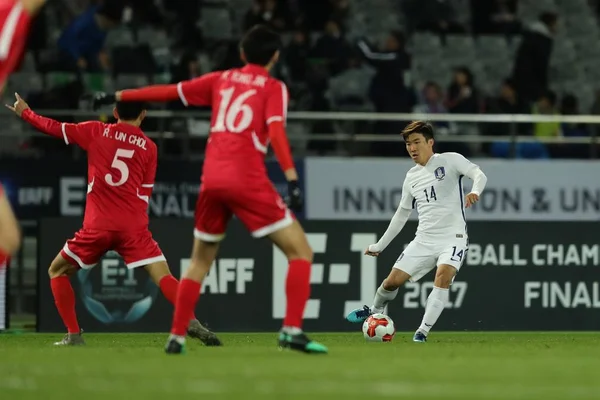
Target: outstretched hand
x,y
471,199
19,106
370,251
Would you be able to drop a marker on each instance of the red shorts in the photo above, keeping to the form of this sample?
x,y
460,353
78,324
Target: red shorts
x,y
261,210
89,245
14,27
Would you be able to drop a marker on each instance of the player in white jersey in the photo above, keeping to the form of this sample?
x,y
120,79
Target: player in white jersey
x,y
434,188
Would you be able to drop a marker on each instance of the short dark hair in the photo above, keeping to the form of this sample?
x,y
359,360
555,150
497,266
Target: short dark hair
x,y
130,111
422,127
260,44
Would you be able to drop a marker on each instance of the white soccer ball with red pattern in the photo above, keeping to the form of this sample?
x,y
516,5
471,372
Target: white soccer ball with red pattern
x,y
379,328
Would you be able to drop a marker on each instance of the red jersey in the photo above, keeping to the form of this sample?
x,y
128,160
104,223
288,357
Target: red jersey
x,y
121,170
15,23
244,102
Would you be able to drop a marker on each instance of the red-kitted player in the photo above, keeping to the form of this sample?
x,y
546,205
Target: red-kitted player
x,y
249,112
15,18
121,171
10,234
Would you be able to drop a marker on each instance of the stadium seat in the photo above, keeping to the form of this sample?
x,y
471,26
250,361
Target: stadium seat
x,y
127,81
216,23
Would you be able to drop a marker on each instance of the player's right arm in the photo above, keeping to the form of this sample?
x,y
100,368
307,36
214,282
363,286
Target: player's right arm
x,y
81,134
10,234
396,224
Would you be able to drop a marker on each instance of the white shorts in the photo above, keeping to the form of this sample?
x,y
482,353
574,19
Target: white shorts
x,y
419,258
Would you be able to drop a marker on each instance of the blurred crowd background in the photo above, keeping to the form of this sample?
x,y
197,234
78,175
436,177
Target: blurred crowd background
x,y
386,56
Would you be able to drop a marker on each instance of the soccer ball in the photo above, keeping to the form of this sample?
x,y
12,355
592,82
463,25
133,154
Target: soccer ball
x,y
379,328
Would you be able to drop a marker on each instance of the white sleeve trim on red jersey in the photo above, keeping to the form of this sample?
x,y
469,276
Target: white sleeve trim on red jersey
x,y
258,145
145,198
63,127
8,30
275,118
148,185
181,95
284,101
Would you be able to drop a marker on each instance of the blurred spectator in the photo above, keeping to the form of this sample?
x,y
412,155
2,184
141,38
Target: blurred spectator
x,y
508,102
187,68
315,14
227,56
546,105
392,62
432,102
349,89
495,17
332,48
81,43
437,16
389,92
570,106
340,12
533,58
296,55
463,97
265,12
75,7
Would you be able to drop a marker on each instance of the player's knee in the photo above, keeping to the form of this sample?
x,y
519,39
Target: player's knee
x,y
56,270
444,276
301,252
60,267
390,284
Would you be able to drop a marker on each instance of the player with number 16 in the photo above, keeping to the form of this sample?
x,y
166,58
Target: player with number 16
x,y
249,110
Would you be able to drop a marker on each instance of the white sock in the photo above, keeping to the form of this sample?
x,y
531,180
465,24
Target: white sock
x,y
437,300
382,298
292,330
178,339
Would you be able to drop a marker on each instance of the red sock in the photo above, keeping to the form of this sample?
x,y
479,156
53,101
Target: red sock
x,y
187,297
64,298
297,291
168,286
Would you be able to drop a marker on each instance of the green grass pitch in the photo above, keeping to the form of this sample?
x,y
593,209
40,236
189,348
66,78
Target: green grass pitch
x,y
463,366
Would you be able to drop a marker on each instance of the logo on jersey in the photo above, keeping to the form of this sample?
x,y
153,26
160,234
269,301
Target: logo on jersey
x,y
439,173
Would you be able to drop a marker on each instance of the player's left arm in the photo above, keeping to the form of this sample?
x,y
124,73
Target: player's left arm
x,y
81,134
473,172
275,117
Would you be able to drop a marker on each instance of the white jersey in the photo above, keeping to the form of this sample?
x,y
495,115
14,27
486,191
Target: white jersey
x,y
436,192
